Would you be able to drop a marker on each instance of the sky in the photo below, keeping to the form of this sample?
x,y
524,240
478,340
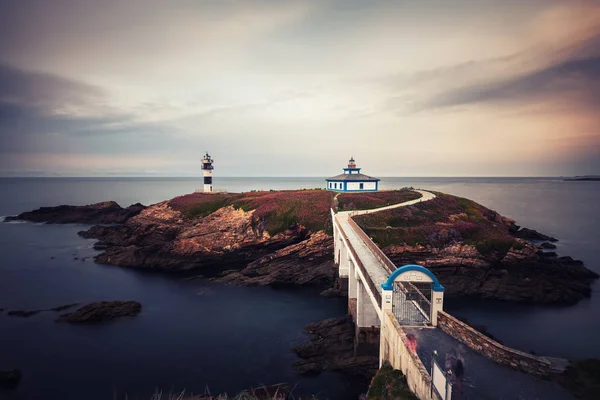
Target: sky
x,y
297,87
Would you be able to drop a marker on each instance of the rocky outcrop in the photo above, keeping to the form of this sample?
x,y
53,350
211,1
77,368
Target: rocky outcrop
x,y
523,275
309,262
10,379
161,238
107,212
101,312
530,234
331,346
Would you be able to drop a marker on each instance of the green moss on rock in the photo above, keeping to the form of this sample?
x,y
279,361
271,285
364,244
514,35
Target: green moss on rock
x,y
389,384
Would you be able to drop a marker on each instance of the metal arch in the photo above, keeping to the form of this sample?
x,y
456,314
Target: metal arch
x,y
389,284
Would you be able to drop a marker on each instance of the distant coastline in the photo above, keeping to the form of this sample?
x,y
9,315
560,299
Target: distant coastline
x,y
583,178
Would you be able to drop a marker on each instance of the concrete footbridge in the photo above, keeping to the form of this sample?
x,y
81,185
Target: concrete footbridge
x,y
399,311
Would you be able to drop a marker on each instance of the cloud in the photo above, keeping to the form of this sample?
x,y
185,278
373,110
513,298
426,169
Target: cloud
x,y
575,78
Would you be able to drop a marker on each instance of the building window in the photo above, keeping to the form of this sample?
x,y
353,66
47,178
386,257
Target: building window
x,y
361,186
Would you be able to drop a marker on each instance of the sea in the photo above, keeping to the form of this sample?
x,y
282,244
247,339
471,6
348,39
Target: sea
x,y
201,337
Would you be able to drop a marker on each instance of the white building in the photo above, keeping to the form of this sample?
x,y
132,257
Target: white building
x,y
352,180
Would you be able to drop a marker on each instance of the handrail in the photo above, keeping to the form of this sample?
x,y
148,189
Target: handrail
x,y
360,265
380,255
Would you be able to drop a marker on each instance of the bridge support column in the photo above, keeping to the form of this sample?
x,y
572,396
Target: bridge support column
x,y
366,314
343,267
352,280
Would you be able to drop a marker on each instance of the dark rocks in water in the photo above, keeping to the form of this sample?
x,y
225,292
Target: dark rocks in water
x,y
331,346
62,308
548,245
530,234
339,289
107,212
23,313
10,379
102,311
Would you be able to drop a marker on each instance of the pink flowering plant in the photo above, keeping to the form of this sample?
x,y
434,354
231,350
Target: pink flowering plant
x,y
366,201
440,222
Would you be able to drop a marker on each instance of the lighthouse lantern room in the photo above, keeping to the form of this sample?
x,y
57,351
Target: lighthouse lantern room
x,y
352,180
207,168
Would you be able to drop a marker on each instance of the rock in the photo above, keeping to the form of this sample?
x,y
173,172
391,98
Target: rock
x,y
522,275
331,346
23,313
548,245
107,212
530,234
102,311
10,379
62,308
160,238
309,262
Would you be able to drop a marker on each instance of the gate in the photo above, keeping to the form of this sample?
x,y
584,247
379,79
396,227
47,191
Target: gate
x,y
411,303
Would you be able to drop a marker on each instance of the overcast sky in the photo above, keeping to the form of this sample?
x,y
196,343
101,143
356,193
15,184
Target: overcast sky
x,y
294,88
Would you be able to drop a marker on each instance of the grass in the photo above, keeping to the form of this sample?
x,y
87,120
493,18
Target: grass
x,y
389,384
440,222
366,201
274,211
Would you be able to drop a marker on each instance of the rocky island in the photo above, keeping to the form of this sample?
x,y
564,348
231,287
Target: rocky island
x,y
283,238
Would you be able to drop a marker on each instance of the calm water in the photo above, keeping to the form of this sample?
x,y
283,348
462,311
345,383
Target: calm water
x,y
194,334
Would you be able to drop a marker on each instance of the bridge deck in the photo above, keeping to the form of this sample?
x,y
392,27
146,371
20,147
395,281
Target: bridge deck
x,y
373,266
484,379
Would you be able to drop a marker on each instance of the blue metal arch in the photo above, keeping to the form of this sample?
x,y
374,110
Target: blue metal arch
x,y
389,284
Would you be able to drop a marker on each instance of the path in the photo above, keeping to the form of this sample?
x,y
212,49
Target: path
x,y
376,269
484,379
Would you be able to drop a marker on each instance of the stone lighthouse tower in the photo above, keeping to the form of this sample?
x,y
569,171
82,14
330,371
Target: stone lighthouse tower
x,y
207,168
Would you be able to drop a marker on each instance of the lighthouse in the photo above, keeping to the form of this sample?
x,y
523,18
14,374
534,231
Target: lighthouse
x,y
207,168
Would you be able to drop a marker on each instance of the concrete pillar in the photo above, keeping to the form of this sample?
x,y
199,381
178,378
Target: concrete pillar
x,y
343,268
386,300
437,304
365,309
352,281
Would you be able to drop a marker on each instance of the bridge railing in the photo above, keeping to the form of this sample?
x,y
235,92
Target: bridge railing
x,y
380,255
360,265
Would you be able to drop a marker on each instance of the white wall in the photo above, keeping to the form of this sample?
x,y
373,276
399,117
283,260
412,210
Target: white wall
x,y
393,349
356,186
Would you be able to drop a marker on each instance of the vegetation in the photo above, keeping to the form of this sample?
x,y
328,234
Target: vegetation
x,y
275,211
582,379
274,392
366,201
389,384
439,222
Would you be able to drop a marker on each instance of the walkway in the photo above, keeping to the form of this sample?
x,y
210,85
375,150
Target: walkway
x,y
376,269
484,379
